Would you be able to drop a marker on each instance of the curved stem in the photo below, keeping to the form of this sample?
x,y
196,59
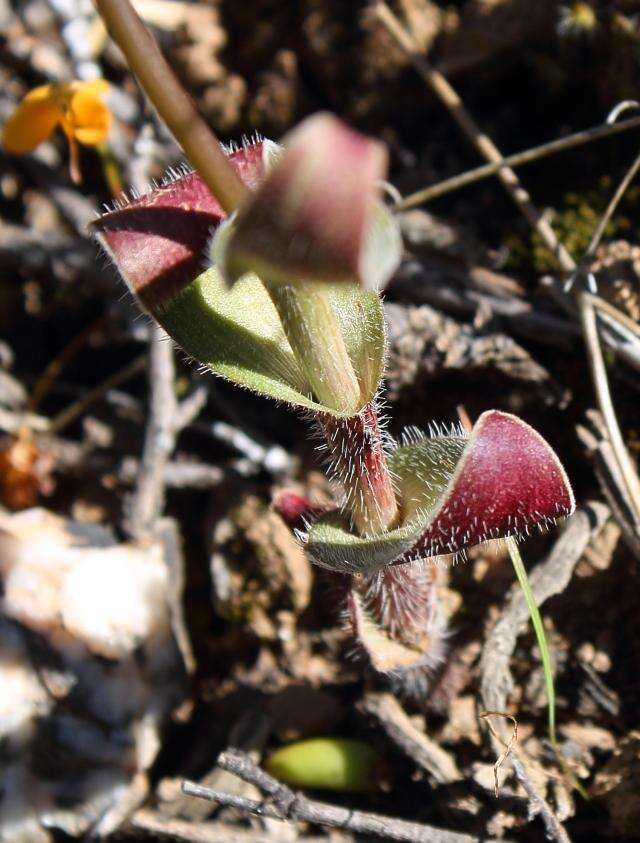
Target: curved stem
x,y
172,102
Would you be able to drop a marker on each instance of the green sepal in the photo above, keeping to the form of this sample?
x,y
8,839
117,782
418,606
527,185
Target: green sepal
x,y
237,334
422,471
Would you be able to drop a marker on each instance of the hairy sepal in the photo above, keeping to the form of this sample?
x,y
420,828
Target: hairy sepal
x,y
316,216
159,241
237,334
455,492
397,621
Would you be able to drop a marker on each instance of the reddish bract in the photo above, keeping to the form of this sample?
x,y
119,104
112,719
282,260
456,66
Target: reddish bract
x,y
310,217
507,481
158,241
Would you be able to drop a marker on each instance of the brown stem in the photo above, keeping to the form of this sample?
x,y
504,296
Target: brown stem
x,y
358,460
171,101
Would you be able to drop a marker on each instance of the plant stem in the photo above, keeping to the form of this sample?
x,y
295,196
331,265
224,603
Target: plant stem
x,y
358,460
172,102
312,329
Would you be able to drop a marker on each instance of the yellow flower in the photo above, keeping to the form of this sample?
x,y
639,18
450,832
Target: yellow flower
x,y
74,106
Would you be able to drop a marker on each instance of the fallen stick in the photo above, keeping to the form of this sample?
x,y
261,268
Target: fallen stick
x,y
286,804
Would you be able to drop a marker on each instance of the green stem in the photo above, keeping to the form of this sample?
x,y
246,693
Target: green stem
x,y
357,458
172,102
312,329
355,443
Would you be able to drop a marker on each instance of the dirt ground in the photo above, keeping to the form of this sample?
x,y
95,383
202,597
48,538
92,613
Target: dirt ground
x,y
217,633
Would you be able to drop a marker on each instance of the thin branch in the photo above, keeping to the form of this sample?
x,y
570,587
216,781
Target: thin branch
x,y
607,470
427,194
78,408
538,804
548,578
611,208
599,375
172,102
508,746
147,502
617,317
439,764
155,825
285,804
56,366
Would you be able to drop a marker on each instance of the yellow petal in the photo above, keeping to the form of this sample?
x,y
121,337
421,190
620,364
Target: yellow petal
x,y
41,93
95,87
89,115
31,123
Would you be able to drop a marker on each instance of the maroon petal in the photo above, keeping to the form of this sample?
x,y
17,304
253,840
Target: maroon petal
x,y
309,218
159,240
507,481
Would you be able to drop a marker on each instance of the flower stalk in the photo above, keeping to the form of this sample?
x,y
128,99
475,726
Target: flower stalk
x,y
172,102
312,329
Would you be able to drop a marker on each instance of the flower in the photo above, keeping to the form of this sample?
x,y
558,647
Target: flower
x,y
577,19
74,106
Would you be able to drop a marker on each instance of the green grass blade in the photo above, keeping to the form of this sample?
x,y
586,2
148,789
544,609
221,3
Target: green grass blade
x,y
536,620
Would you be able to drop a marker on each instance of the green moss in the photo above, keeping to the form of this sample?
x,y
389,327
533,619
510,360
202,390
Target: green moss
x,y
574,224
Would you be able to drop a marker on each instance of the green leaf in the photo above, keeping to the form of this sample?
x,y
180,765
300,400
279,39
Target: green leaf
x,y
422,471
238,335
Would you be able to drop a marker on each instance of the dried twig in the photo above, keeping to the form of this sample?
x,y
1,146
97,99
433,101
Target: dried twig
x,y
427,754
538,804
611,207
608,473
146,504
157,825
548,578
450,99
180,474
599,375
508,746
80,407
284,803
427,194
